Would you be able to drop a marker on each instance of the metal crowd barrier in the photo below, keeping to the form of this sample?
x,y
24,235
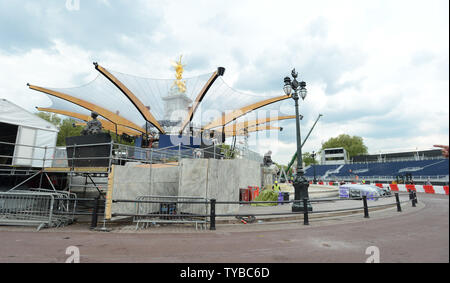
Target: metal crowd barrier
x,y
41,208
170,209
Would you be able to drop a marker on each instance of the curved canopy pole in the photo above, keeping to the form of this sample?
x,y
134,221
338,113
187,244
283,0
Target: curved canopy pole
x,y
252,123
227,118
242,132
107,125
111,128
130,95
220,71
113,117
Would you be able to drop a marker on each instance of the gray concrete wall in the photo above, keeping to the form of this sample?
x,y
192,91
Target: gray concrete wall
x,y
248,172
131,182
223,184
219,179
193,182
206,178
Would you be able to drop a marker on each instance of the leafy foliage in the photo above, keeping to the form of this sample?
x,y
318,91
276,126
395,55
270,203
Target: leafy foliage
x,y
266,195
52,118
353,145
227,151
308,159
67,128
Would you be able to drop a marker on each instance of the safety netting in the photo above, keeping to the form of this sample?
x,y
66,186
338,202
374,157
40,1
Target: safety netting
x,y
151,92
103,93
221,98
59,104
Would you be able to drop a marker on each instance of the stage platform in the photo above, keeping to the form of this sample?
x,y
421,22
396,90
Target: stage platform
x,y
158,165
76,169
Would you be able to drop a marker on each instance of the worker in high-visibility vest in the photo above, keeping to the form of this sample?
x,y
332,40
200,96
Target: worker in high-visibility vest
x,y
276,187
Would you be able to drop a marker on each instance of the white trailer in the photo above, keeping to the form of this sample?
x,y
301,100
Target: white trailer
x,y
32,137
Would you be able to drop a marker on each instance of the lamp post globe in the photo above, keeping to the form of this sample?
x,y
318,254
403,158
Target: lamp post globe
x,y
287,86
303,90
300,183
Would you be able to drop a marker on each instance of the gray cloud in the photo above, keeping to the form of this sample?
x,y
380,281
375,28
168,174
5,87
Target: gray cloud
x,y
141,37
422,57
318,28
95,26
326,64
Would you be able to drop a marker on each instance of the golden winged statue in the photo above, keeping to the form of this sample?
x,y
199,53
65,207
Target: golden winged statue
x,y
179,69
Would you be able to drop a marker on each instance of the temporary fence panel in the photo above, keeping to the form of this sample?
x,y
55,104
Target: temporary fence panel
x,y
36,208
170,209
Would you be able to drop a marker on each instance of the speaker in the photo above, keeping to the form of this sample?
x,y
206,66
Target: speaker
x,y
86,153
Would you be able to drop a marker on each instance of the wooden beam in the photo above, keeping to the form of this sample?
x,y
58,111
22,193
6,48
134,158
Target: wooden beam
x,y
111,128
107,125
130,95
227,118
113,117
252,123
251,130
220,71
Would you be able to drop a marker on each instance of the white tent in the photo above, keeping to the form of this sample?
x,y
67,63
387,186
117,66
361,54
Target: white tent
x,y
35,137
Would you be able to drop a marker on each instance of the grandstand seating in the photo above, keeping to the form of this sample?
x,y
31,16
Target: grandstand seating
x,y
321,170
425,168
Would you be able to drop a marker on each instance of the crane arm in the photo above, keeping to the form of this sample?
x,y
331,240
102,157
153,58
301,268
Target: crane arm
x,y
295,155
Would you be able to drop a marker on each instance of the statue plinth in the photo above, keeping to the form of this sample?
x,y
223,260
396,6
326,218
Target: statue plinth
x,y
269,175
176,105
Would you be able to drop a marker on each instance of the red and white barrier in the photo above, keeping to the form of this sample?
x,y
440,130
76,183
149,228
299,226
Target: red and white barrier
x,y
440,190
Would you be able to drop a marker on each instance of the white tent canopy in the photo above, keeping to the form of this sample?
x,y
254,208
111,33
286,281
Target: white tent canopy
x,y
35,136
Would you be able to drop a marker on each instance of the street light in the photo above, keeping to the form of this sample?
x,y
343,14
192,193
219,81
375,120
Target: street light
x,y
301,185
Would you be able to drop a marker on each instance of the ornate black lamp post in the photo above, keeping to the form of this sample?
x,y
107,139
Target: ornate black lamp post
x,y
301,185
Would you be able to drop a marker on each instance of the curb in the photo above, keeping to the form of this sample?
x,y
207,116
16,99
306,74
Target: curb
x,y
310,215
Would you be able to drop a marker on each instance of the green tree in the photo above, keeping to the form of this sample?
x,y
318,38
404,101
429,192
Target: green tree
x,y
52,118
280,166
227,151
67,129
353,145
308,159
65,126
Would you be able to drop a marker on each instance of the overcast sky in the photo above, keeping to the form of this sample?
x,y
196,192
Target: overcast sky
x,y
375,69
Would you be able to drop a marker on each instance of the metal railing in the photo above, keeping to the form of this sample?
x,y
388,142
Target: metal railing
x,y
46,209
350,178
306,212
69,156
78,160
397,159
170,209
39,208
159,214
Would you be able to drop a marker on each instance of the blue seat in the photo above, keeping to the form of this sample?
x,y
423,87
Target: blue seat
x,y
426,168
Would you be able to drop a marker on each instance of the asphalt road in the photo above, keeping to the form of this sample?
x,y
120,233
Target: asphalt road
x,y
418,234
